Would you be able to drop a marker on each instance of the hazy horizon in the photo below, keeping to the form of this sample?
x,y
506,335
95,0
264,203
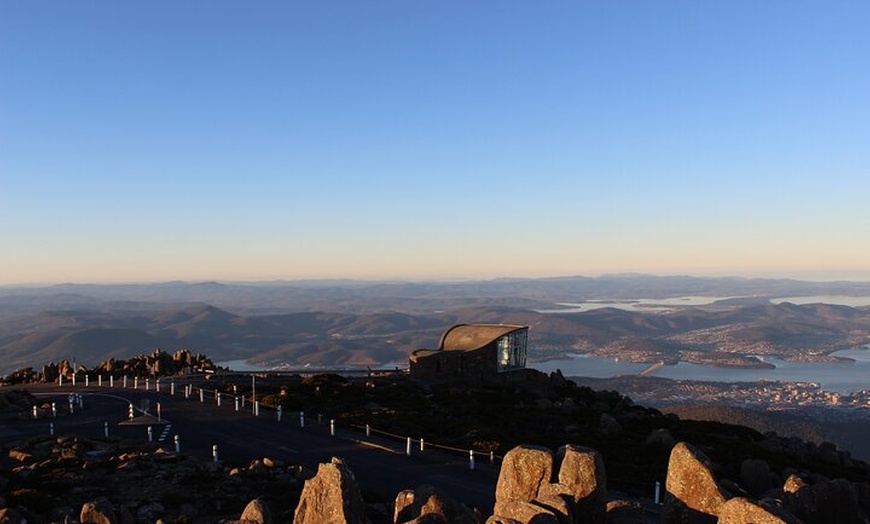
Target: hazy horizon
x,y
800,276
222,141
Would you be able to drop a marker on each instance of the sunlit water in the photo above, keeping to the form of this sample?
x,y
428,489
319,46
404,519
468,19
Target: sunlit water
x,y
844,377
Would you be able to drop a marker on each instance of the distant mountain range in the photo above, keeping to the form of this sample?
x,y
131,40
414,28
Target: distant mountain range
x,y
374,324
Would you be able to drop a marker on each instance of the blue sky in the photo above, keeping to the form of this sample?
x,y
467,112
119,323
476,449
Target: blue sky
x,y
427,140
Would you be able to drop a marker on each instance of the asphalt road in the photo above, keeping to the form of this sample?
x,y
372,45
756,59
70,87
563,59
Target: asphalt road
x,y
379,464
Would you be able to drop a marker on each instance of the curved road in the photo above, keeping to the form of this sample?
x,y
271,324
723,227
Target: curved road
x,y
380,465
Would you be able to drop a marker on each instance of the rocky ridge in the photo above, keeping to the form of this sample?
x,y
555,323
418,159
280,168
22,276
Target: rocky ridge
x,y
72,479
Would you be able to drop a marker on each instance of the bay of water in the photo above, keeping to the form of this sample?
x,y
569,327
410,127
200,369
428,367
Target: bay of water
x,y
843,377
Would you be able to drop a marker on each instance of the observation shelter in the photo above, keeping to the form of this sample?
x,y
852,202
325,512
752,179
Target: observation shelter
x,y
473,353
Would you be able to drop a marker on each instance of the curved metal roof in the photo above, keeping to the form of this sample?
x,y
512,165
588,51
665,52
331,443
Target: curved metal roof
x,y
468,337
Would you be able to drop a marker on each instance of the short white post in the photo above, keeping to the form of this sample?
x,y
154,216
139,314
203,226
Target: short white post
x,y
301,418
53,409
147,384
111,381
60,380
492,457
100,380
201,395
332,427
172,388
124,381
177,440
658,492
422,445
157,385
471,459
280,411
87,381
71,405
187,391
81,401
214,452
35,410
51,428
159,419
237,403
106,429
219,400
73,380
257,408
150,435
135,382
408,446
368,430
130,411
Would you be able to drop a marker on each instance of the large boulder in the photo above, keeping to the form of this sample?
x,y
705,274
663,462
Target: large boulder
x,y
825,502
524,470
756,477
99,511
524,512
256,512
582,471
744,511
411,506
692,494
331,497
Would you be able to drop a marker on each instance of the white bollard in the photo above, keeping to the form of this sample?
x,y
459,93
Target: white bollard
x,y
301,419
408,447
51,428
106,429
332,427
71,406
135,382
150,435
130,411
81,400
280,411
177,440
422,445
74,380
35,412
124,381
100,380
157,386
53,410
111,381
368,430
658,492
492,457
237,403
219,400
257,408
172,388
471,459
87,381
201,395
147,384
187,391
214,452
159,419
60,380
